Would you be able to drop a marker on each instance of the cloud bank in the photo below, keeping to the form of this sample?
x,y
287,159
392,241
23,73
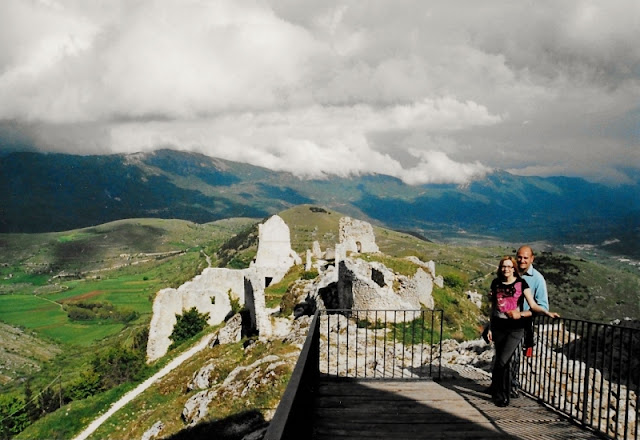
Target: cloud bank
x,y
426,93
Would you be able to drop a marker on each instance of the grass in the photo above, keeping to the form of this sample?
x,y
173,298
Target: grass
x,y
71,419
398,265
130,287
105,277
165,400
275,292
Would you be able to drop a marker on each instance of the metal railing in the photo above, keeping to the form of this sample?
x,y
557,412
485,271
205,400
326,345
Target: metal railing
x,y
588,371
381,344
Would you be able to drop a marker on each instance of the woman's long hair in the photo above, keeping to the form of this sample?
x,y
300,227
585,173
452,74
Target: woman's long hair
x,y
515,266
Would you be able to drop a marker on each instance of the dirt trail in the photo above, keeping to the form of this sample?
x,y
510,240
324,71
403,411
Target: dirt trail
x,y
204,342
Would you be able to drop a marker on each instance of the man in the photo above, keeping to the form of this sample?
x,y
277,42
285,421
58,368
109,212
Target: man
x,y
538,287
534,279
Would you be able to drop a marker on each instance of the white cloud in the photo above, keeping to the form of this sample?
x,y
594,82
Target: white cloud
x,y
427,93
437,167
309,142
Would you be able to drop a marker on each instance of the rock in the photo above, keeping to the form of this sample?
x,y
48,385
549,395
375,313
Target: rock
x,y
231,332
474,297
201,378
197,407
153,432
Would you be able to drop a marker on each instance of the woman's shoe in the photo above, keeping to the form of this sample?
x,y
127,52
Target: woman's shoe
x,y
502,402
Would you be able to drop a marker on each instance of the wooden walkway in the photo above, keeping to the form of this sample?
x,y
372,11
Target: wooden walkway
x,y
455,408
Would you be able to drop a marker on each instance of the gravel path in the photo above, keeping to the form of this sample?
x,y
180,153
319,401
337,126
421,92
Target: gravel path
x,y
204,342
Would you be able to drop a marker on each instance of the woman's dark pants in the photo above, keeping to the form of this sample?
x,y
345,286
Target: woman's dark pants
x,y
506,340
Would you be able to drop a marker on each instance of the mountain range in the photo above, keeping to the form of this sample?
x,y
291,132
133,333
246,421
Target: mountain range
x,y
44,192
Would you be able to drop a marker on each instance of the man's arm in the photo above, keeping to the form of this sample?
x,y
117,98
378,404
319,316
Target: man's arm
x,y
541,296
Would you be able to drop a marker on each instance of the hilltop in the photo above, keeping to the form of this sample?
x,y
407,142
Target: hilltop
x,y
125,263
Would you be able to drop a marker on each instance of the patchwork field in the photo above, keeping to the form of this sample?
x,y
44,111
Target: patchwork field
x,y
120,264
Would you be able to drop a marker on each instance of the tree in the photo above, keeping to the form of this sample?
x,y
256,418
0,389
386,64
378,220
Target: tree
x,y
48,401
455,282
31,407
87,385
118,365
189,324
13,416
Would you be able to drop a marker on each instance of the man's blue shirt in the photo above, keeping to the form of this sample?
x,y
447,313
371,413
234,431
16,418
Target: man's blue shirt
x,y
538,287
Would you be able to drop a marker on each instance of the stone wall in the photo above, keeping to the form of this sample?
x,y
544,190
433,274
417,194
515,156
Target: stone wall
x,y
275,256
357,236
210,291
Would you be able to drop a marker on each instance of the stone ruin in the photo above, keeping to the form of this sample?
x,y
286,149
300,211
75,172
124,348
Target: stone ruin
x,y
474,297
344,282
357,236
213,290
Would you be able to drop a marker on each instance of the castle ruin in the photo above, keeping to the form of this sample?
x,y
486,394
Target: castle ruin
x,y
343,282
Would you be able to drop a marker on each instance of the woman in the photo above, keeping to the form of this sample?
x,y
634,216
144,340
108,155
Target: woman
x,y
508,292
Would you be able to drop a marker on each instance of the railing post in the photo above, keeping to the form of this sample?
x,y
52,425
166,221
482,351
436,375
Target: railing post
x,y
587,362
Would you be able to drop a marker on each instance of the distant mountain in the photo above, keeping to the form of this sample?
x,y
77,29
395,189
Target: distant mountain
x,y
53,192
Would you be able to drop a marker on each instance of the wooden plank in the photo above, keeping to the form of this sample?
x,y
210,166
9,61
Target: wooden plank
x,y
486,430
411,410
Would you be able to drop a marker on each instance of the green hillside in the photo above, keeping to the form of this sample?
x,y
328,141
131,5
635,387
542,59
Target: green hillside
x,y
122,264
109,274
62,191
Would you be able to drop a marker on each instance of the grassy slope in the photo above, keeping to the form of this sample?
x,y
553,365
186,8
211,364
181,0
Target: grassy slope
x,y
117,271
580,287
127,286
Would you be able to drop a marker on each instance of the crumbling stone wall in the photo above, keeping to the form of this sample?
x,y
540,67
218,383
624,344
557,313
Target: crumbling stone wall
x,y
357,236
275,256
210,291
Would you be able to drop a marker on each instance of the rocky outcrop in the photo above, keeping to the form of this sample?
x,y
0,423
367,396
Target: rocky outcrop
x,y
153,432
474,297
264,372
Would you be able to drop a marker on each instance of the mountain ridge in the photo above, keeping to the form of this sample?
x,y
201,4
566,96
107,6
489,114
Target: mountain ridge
x,y
45,192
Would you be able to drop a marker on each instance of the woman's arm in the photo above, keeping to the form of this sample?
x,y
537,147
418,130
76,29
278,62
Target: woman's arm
x,y
517,314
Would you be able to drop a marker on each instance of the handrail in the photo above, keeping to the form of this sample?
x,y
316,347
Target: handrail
x,y
382,344
291,419
587,371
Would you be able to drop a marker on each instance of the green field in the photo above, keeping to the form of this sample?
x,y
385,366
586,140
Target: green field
x,y
45,312
122,264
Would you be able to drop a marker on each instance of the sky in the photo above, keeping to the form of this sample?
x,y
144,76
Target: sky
x,y
426,91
